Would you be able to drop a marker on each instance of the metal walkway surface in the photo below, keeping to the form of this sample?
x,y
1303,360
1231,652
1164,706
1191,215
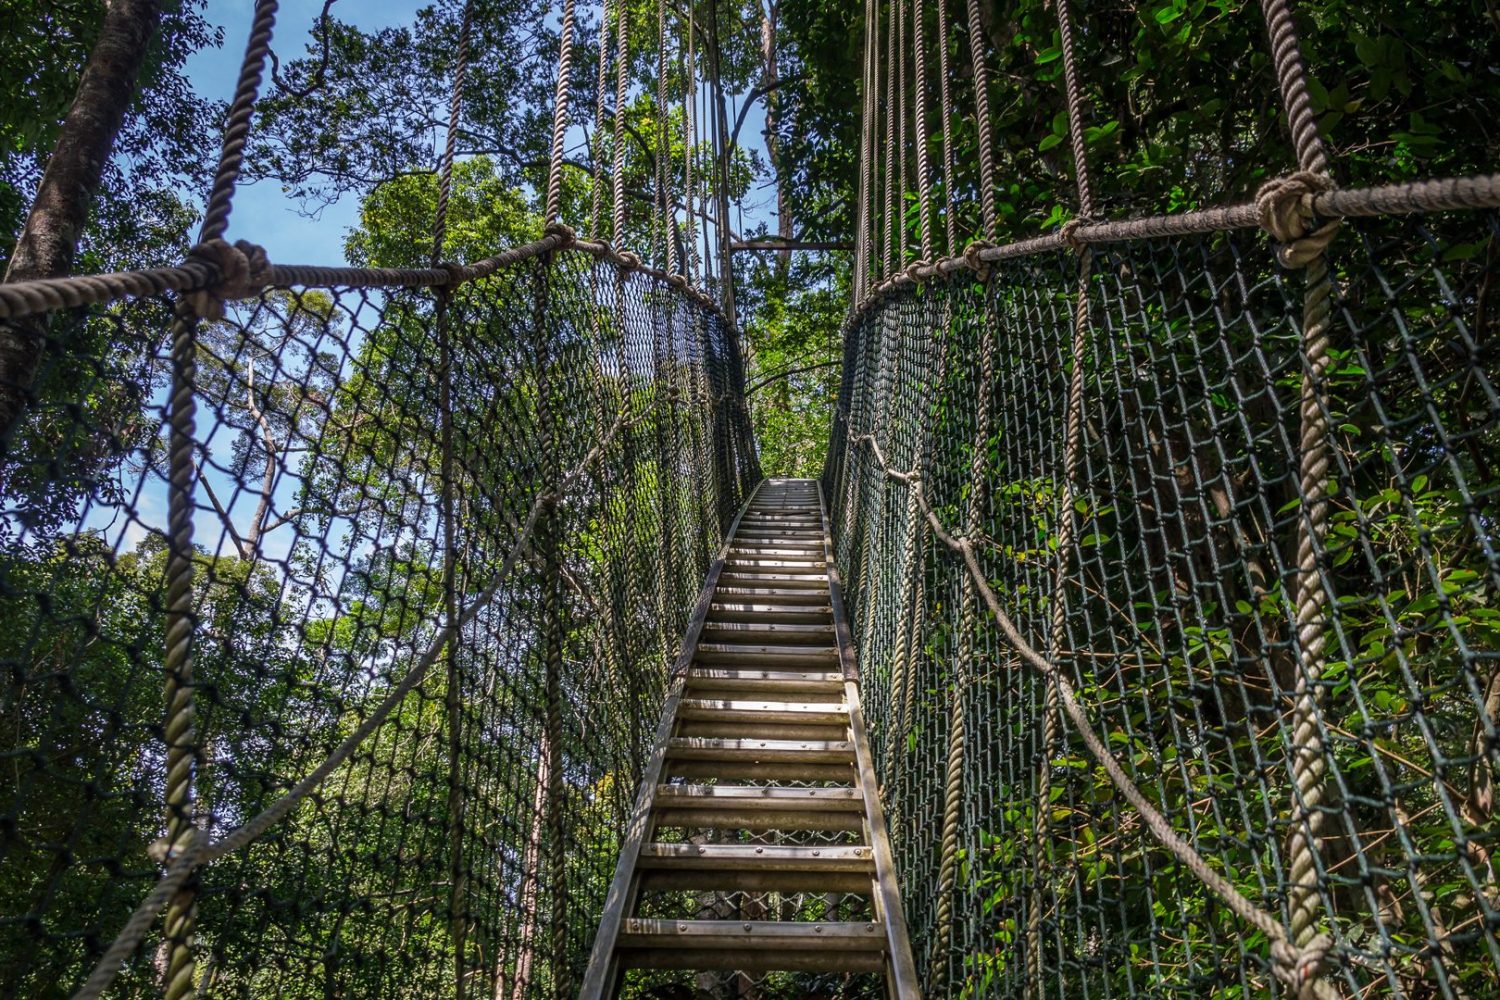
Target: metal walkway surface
x,y
758,844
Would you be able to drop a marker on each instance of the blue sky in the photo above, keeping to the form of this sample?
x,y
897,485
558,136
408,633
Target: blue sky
x,y
263,214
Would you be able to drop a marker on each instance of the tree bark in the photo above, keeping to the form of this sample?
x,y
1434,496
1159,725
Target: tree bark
x,y
531,875
769,80
49,239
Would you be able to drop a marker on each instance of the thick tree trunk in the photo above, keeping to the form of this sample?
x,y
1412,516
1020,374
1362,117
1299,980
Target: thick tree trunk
x,y
50,237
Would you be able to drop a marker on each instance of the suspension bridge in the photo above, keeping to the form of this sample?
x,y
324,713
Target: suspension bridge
x,y
1139,637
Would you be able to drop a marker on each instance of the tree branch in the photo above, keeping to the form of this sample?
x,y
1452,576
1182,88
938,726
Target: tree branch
x,y
756,93
762,383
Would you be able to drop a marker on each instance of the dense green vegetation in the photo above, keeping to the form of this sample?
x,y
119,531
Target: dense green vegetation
x,y
320,566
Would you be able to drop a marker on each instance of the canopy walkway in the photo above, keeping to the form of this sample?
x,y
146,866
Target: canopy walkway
x,y
435,632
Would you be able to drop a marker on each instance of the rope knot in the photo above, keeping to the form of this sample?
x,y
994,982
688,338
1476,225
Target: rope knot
x,y
1300,967
456,274
1287,213
562,232
1069,234
976,263
915,268
630,259
677,281
243,270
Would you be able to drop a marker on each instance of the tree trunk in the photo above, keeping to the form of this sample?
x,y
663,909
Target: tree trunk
x,y
531,875
50,237
770,80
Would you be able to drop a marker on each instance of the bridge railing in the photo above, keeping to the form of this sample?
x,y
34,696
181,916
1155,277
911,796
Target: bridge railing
x,y
411,563
1163,598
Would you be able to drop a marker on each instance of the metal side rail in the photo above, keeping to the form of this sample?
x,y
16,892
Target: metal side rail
x,y
758,844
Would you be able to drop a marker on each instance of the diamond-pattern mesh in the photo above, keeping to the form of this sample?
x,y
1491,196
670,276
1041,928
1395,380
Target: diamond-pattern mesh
x,y
1177,613
565,493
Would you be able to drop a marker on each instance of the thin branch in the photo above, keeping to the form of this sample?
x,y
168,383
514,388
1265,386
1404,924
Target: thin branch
x,y
762,383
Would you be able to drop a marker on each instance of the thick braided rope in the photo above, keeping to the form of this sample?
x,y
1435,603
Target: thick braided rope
x,y
664,143
1286,211
1074,94
450,144
1066,530
237,129
689,104
950,222
901,133
596,195
1072,435
617,148
1292,964
861,221
179,732
889,255
924,171
982,120
953,784
1291,77
560,114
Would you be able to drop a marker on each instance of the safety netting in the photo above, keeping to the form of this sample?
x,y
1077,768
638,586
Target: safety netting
x,y
442,548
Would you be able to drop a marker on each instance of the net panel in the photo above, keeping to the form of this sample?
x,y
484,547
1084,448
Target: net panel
x,y
1177,611
552,452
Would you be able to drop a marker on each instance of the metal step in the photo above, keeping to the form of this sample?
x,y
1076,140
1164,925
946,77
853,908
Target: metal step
x,y
768,751
781,581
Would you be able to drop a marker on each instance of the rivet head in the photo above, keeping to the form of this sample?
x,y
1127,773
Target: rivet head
x,y
747,928
702,850
817,930
817,853
682,928
760,850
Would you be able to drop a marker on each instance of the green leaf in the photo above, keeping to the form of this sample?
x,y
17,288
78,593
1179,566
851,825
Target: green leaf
x,y
1048,55
1049,142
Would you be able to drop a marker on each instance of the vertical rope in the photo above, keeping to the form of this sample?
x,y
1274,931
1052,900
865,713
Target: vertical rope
x,y
560,115
982,122
862,212
901,138
689,139
452,700
664,143
890,152
596,194
622,81
1308,756
180,726
180,733
1066,526
1074,94
450,144
953,783
237,130
924,172
949,222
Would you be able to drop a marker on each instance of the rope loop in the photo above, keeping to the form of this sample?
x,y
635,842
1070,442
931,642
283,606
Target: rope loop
x,y
562,232
457,274
1069,233
915,269
1287,213
976,263
630,259
1301,968
243,270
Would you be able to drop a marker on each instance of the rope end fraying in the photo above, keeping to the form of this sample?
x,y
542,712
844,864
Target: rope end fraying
x,y
1302,968
1287,212
243,269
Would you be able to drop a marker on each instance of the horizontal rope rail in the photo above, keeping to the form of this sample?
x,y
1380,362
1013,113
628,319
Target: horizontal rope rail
x,y
1442,195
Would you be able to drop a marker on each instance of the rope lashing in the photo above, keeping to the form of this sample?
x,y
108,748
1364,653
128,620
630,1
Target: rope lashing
x,y
243,270
1286,212
1301,969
